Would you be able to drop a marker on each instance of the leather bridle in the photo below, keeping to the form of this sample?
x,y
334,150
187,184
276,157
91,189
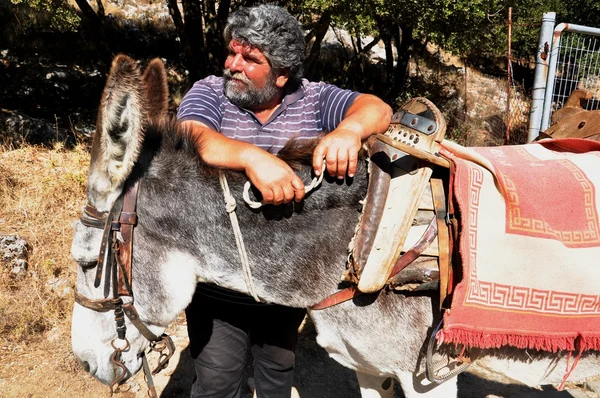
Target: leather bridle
x,y
114,260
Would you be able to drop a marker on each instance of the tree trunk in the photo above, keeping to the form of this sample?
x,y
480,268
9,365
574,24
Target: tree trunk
x,y
372,44
404,41
318,33
197,60
101,12
389,56
180,29
383,25
177,21
93,25
223,14
358,42
216,46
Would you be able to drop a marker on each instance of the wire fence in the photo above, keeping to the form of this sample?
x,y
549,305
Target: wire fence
x,y
518,99
517,111
578,68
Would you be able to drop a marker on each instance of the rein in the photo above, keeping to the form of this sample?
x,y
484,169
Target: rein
x,y
230,206
114,260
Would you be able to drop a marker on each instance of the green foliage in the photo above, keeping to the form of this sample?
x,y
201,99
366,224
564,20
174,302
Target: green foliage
x,y
581,12
56,15
470,29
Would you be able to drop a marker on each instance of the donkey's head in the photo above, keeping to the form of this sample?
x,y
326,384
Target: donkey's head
x,y
132,101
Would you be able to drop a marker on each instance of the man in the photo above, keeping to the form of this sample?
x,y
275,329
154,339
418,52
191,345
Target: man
x,y
241,121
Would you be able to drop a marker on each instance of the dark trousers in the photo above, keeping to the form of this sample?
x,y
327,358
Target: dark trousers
x,y
220,332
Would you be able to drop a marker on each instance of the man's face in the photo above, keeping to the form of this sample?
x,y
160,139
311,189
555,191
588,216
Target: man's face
x,y
250,82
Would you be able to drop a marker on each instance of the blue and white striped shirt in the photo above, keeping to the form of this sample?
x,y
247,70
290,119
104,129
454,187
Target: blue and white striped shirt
x,y
306,113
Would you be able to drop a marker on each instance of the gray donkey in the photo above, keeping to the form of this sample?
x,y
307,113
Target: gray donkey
x,y
296,253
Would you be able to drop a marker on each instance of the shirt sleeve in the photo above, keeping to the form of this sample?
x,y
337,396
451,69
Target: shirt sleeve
x,y
203,104
334,103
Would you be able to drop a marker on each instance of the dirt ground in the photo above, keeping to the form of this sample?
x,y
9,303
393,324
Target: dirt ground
x,y
48,369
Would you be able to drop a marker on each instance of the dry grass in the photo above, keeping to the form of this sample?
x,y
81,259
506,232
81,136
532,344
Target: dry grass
x,y
41,194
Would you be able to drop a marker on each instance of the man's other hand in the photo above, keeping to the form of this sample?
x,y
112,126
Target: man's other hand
x,y
340,151
275,180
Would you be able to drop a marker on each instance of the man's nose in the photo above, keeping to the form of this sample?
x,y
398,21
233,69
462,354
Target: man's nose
x,y
236,63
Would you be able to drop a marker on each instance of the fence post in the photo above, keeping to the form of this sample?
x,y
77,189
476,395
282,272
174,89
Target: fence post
x,y
508,77
541,75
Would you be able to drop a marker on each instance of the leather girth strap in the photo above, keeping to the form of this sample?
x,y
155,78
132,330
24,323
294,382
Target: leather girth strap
x,y
407,258
452,222
444,249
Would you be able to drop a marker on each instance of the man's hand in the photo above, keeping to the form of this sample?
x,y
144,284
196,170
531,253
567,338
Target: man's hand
x,y
367,115
275,180
340,151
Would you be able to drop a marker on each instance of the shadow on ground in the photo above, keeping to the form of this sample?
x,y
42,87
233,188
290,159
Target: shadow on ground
x,y
318,376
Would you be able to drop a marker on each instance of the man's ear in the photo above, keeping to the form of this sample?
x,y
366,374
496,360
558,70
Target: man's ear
x,y
282,78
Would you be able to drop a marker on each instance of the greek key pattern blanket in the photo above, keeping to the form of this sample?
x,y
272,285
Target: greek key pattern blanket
x,y
529,244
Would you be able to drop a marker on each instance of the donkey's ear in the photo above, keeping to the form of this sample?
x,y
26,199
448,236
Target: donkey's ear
x,y
157,91
122,118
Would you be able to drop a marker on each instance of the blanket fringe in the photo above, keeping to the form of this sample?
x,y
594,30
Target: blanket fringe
x,y
543,343
471,338
570,370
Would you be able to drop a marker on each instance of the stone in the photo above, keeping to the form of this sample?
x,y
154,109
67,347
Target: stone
x,y
15,253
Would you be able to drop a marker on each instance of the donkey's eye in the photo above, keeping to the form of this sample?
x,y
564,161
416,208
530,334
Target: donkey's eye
x,y
87,264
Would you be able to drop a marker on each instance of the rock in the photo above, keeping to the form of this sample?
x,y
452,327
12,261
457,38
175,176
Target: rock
x,y
18,128
57,74
15,252
60,286
19,267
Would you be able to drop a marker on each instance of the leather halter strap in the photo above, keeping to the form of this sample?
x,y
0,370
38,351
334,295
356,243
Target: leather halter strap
x,y
122,218
408,257
106,248
101,305
127,222
92,217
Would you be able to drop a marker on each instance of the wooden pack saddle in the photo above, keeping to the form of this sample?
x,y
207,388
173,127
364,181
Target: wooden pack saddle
x,y
402,200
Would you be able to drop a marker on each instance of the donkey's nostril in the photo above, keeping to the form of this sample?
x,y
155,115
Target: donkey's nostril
x,y
88,361
85,365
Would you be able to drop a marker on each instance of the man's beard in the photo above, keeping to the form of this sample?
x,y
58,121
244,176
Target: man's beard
x,y
249,96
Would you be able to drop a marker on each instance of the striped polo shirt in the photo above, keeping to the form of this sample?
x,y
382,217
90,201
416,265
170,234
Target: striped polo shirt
x,y
310,110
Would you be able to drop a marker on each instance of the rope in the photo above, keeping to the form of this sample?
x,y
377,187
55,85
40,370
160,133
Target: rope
x,y
230,206
316,181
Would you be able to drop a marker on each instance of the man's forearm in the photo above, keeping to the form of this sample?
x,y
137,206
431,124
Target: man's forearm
x,y
220,151
366,116
275,180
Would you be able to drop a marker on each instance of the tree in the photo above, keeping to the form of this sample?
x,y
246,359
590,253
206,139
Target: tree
x,y
57,13
200,30
94,27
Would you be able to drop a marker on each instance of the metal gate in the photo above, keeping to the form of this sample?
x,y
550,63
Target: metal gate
x,y
568,58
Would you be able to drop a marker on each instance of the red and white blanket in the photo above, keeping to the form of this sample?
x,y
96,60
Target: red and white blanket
x,y
529,244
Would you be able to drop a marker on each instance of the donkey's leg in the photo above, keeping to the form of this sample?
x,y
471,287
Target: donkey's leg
x,y
375,386
419,387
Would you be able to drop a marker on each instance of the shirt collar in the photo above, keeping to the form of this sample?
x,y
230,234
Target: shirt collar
x,y
293,93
